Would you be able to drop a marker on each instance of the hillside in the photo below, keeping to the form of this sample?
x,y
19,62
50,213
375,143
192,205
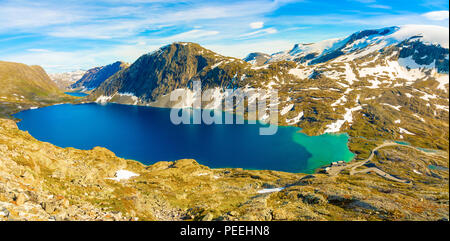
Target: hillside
x,y
39,181
23,86
95,76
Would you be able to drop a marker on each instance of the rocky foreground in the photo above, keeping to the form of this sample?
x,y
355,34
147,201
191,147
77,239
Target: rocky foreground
x,y
39,181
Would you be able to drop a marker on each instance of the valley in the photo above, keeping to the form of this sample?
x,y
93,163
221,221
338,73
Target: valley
x,y
380,87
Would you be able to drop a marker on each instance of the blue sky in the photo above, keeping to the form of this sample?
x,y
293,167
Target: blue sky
x,y
73,34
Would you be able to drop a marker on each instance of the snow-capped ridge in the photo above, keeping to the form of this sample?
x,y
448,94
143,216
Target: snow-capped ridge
x,y
428,34
363,43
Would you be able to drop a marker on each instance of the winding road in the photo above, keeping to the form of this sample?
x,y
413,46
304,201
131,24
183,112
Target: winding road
x,y
335,170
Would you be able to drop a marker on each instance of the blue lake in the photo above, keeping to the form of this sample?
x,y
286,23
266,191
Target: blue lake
x,y
76,94
147,135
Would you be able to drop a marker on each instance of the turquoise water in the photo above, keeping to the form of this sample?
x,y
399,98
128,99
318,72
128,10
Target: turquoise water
x,y
146,134
403,143
76,94
434,167
426,150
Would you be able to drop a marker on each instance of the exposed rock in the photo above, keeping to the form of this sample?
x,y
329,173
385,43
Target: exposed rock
x,y
311,198
20,199
208,217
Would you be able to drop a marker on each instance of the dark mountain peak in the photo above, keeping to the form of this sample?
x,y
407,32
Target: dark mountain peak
x,y
119,63
370,32
172,66
433,56
95,76
184,47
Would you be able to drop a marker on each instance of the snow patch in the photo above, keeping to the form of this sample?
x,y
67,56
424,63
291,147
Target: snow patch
x,y
216,65
340,101
348,117
430,34
409,62
202,174
300,73
123,175
442,107
134,98
270,190
350,76
392,106
286,109
443,80
418,117
404,131
295,120
103,99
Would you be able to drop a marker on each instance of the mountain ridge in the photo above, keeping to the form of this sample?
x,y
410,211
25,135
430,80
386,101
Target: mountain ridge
x,y
325,50
97,75
368,91
23,86
172,66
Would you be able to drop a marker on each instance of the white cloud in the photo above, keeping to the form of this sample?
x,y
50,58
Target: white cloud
x,y
20,17
366,1
375,21
62,61
37,50
260,32
256,25
95,31
87,20
380,6
124,31
437,15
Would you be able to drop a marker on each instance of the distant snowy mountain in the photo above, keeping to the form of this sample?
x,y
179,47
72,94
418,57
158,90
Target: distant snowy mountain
x,y
64,80
365,42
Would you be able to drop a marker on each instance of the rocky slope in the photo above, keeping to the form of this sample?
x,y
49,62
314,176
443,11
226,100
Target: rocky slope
x,y
174,66
23,87
95,76
39,181
65,80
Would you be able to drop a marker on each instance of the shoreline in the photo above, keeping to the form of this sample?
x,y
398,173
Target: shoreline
x,y
298,130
